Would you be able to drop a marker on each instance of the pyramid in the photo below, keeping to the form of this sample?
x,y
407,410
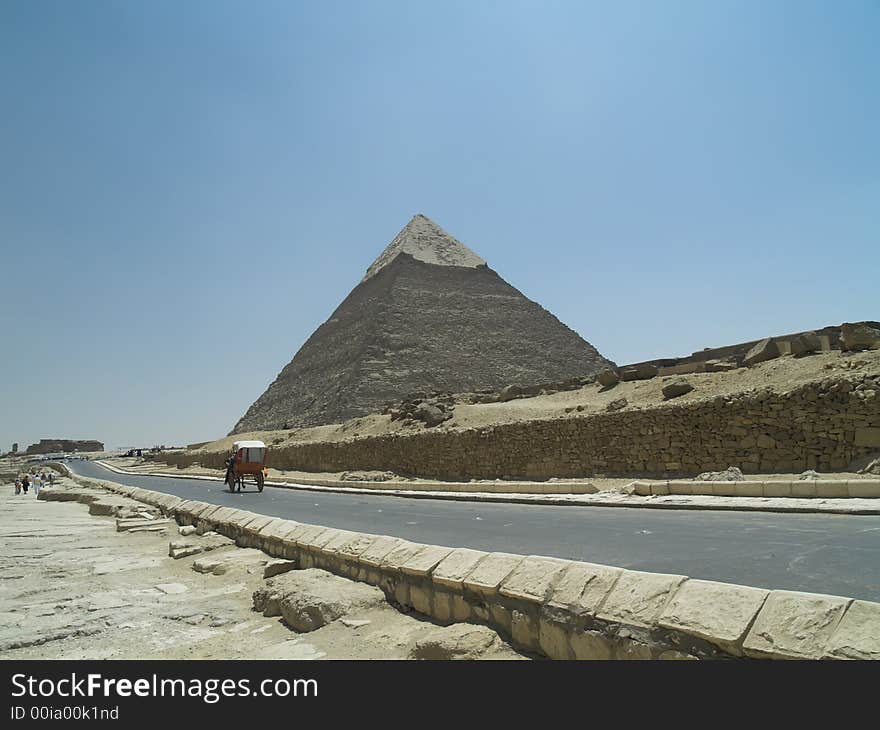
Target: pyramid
x,y
428,316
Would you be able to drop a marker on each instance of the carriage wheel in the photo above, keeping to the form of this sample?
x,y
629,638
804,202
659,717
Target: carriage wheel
x,y
259,476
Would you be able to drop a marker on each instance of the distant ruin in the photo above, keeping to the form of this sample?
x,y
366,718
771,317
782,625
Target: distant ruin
x,y
52,446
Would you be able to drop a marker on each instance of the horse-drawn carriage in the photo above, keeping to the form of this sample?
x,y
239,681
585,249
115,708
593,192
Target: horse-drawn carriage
x,y
248,462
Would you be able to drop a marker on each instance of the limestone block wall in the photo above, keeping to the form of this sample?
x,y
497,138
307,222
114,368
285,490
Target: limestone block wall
x,y
560,609
822,425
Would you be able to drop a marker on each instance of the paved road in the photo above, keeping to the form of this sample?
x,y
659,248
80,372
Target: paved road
x,y
837,554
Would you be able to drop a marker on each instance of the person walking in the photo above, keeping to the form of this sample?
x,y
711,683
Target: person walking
x,y
17,485
38,482
25,482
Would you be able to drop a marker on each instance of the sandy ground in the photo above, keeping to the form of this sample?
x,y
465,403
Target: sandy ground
x,y
72,587
782,374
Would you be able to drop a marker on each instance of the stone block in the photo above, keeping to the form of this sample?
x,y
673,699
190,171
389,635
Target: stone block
x,y
582,589
395,559
420,598
724,489
276,567
803,488
533,579
358,543
794,625
423,562
195,508
501,617
553,639
638,599
676,388
221,516
749,489
320,541
376,553
451,571
869,437
488,575
857,636
441,607
334,544
832,488
524,629
644,371
401,593
278,530
720,613
255,525
863,488
306,537
761,352
777,489
461,609
590,645
239,519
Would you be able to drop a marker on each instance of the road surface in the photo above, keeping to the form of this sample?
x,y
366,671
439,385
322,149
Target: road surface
x,y
835,554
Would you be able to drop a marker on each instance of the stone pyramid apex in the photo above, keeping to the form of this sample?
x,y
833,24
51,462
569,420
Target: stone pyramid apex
x,y
425,241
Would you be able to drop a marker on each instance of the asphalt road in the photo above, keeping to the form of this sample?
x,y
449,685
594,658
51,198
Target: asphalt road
x,y
835,554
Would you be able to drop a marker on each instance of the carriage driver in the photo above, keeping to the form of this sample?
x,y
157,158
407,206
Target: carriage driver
x,y
230,463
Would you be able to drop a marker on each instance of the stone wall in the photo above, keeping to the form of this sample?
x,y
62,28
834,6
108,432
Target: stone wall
x,y
822,425
560,609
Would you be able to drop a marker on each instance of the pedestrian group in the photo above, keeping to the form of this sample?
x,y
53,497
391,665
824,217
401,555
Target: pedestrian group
x,y
34,479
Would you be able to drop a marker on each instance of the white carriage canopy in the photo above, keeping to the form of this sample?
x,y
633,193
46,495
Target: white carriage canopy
x,y
253,452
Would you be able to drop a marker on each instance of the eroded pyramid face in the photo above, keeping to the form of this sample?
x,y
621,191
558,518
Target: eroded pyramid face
x,y
429,315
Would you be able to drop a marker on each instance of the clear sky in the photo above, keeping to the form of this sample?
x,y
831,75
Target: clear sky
x,y
189,189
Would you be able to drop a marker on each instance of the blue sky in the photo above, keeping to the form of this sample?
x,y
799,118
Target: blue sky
x,y
662,176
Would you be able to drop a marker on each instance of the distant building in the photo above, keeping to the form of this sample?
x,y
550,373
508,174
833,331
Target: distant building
x,y
49,446
15,448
